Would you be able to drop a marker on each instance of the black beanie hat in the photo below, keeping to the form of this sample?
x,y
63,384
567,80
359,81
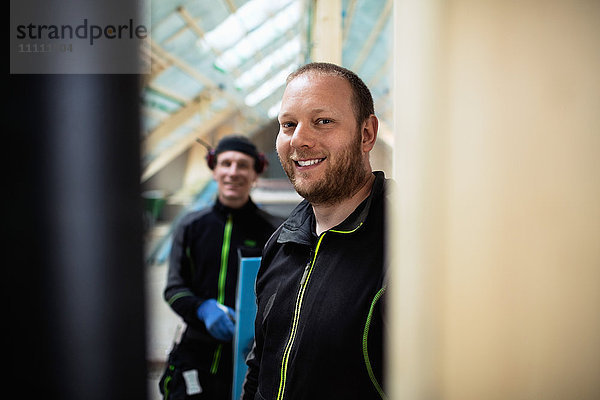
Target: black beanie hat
x,y
238,143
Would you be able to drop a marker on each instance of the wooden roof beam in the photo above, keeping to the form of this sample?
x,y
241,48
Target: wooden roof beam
x,y
168,155
327,31
175,120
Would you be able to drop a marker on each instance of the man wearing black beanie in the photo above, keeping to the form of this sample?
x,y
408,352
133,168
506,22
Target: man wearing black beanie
x,y
203,269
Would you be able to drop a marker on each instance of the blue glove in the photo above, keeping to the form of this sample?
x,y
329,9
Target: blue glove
x,y
219,319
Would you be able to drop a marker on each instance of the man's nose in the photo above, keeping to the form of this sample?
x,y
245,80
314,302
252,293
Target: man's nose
x,y
303,136
233,168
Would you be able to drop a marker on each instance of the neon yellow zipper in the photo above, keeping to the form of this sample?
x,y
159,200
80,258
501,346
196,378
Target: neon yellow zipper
x,y
366,344
222,279
300,297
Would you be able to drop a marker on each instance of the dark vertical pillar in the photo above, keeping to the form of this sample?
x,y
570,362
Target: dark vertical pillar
x,y
73,216
75,269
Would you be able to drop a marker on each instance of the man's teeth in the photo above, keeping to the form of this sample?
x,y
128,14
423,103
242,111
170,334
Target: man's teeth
x,y
309,162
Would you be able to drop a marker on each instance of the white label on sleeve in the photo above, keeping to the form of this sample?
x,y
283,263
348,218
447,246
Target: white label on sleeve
x,y
192,384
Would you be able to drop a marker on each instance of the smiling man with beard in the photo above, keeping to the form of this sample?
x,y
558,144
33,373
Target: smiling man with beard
x,y
319,330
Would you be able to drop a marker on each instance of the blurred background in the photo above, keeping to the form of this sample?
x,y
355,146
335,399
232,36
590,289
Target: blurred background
x,y
489,126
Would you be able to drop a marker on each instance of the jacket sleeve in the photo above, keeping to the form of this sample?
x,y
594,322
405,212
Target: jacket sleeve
x,y
250,384
178,293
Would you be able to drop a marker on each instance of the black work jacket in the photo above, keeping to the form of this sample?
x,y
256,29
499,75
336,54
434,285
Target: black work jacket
x,y
319,324
205,246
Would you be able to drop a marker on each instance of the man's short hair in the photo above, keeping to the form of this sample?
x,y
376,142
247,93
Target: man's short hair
x,y
363,101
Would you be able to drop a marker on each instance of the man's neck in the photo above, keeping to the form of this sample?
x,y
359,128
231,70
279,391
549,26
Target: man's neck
x,y
233,203
329,215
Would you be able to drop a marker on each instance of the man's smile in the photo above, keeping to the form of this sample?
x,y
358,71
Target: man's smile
x,y
308,163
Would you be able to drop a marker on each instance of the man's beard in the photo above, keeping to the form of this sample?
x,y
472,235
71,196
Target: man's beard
x,y
342,178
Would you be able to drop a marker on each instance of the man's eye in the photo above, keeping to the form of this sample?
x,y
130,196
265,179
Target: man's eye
x,y
287,125
324,121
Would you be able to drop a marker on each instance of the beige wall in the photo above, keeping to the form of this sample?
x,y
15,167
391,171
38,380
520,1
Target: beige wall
x,y
496,281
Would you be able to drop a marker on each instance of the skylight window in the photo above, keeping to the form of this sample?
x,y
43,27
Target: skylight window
x,y
225,34
267,88
255,12
281,56
252,27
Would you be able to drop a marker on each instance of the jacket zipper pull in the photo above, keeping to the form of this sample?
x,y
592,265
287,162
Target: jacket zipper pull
x,y
305,274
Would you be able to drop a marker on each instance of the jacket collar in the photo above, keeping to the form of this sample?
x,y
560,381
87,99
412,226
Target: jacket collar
x,y
246,209
298,228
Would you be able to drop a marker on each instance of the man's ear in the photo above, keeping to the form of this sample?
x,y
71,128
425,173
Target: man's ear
x,y
369,133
